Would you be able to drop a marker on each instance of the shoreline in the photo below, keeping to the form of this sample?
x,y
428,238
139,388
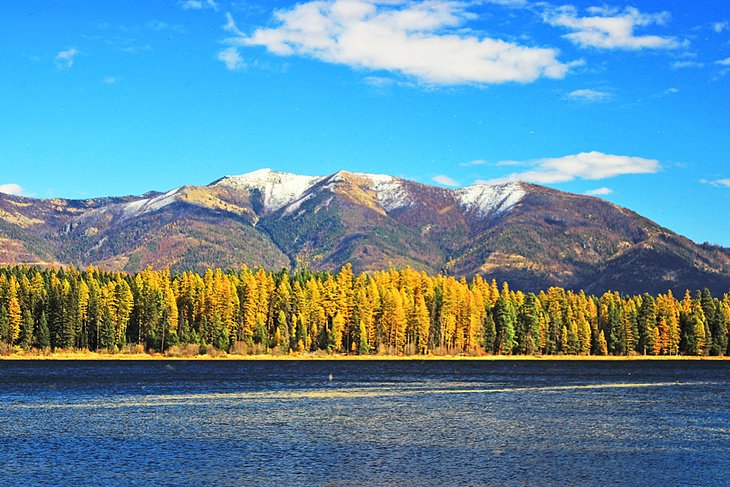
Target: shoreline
x,y
341,357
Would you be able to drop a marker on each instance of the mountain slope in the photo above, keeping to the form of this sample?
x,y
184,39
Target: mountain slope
x,y
531,236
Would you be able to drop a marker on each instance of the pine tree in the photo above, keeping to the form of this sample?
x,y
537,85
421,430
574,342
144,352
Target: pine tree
x,y
15,317
504,322
708,308
719,330
43,334
423,321
647,325
5,335
602,345
336,333
490,331
527,334
26,329
363,345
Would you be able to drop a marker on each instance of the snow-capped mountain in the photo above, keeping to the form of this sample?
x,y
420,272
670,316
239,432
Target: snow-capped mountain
x,y
280,189
277,189
531,236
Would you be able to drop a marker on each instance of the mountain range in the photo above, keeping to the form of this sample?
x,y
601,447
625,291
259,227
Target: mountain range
x,y
531,236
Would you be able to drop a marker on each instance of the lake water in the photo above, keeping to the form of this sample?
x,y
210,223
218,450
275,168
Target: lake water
x,y
365,423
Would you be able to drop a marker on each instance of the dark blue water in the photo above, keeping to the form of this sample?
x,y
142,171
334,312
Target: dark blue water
x,y
373,423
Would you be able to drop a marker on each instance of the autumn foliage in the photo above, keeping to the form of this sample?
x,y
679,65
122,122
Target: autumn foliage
x,y
388,312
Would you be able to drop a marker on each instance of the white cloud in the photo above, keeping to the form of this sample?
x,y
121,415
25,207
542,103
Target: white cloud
x,y
232,59
158,25
599,192
509,3
607,28
199,4
384,82
475,162
424,40
720,26
671,91
687,64
484,162
65,58
110,80
510,163
230,26
445,180
586,165
589,95
11,188
720,183
723,62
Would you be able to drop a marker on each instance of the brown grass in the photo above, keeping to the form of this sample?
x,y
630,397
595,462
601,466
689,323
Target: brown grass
x,y
195,352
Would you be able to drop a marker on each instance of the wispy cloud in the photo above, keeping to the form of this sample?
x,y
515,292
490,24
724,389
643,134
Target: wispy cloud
x,y
110,80
158,25
723,62
385,82
599,192
718,27
588,95
65,59
687,64
199,4
509,3
424,40
586,165
11,188
720,183
509,163
607,28
231,58
445,180
475,162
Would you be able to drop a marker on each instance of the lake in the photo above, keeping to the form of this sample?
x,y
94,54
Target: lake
x,y
365,422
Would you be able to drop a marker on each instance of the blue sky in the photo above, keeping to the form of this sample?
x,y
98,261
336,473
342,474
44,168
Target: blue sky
x,y
628,101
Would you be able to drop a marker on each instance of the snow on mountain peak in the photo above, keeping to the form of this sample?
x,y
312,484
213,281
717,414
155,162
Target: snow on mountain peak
x,y
287,190
278,189
389,191
147,205
485,198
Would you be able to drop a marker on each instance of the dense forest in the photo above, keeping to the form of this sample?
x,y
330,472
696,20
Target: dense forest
x,y
389,312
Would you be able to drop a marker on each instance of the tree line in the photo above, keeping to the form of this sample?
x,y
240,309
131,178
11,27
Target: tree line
x,y
399,312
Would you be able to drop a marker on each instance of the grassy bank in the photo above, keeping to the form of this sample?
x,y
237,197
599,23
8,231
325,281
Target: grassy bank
x,y
216,355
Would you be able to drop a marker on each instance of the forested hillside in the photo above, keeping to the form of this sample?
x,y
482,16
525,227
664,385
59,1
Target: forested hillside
x,y
386,312
530,236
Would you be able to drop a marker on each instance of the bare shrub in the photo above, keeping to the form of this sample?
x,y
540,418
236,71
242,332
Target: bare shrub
x,y
184,350
6,349
133,349
240,347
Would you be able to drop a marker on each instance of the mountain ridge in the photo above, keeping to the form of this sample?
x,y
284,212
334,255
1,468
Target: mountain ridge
x,y
529,235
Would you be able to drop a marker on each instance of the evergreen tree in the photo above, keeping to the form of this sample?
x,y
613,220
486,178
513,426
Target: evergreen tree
x,y
363,345
504,322
527,334
647,325
5,334
719,330
43,333
490,331
602,345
